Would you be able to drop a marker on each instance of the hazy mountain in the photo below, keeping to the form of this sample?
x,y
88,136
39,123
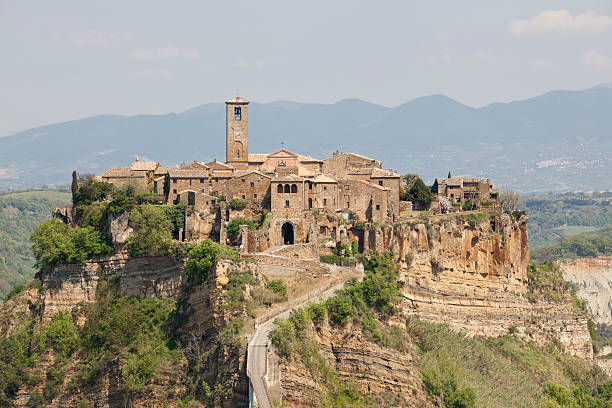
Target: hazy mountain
x,y
561,140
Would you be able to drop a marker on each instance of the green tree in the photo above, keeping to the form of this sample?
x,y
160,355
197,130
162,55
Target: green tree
x,y
153,234
166,185
415,190
75,187
201,257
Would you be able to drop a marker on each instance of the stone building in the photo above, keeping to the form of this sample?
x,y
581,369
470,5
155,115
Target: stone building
x,y
309,200
462,189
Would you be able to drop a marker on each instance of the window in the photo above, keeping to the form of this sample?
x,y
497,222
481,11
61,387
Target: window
x,y
286,203
279,188
377,207
252,184
242,180
237,113
174,191
287,188
212,202
294,188
309,185
155,187
324,187
173,181
201,181
243,196
325,201
254,195
237,154
310,203
380,182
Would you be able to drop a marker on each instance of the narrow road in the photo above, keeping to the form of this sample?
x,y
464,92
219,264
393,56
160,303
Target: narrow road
x,y
258,345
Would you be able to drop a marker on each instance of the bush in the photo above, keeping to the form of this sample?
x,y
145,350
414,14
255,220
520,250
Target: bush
x,y
339,309
237,204
153,235
201,257
61,334
277,286
233,227
53,242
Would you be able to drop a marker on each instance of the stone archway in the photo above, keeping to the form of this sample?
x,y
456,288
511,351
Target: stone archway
x,y
287,233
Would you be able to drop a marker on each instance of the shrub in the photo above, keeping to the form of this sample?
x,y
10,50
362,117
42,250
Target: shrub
x,y
201,257
53,242
339,309
61,334
153,234
277,286
237,204
233,227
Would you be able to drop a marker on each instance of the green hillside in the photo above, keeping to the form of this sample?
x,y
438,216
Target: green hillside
x,y
556,216
594,243
20,213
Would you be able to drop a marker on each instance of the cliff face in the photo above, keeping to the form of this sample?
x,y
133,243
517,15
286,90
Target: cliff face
x,y
592,277
468,273
473,276
209,353
65,286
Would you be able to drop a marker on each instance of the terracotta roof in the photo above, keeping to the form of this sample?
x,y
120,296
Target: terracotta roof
x,y
379,173
237,99
215,165
116,172
373,185
188,173
308,159
304,172
321,178
144,165
361,157
289,177
161,170
242,173
196,165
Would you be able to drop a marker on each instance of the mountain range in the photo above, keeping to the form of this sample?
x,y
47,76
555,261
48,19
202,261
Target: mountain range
x,y
558,141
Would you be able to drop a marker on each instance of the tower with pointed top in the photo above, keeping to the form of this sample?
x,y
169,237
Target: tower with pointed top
x,y
237,132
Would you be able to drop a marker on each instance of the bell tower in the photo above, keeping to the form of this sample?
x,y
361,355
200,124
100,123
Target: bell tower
x,y
237,132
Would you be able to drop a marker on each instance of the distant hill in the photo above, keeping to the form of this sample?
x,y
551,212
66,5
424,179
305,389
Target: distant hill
x,y
558,141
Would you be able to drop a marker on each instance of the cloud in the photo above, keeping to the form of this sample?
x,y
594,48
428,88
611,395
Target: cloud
x,y
449,57
97,39
597,61
561,22
166,53
154,73
541,65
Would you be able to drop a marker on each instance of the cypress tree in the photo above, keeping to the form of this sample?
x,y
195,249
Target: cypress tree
x,y
449,176
166,185
75,187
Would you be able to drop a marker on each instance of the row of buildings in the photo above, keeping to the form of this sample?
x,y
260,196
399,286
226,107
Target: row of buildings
x,y
291,186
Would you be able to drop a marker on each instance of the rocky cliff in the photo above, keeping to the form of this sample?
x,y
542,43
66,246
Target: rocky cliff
x,y
472,274
592,277
209,352
468,272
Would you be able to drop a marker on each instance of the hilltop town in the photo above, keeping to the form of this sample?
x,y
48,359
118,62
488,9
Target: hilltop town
x,y
301,197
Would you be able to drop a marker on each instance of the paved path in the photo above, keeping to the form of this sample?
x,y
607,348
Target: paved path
x,y
258,345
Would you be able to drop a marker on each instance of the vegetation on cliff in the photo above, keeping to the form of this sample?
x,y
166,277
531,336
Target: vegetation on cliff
x,y
458,370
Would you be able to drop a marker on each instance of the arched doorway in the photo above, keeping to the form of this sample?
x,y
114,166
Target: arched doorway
x,y
287,233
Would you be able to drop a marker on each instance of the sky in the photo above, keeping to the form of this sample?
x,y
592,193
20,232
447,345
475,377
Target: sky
x,y
63,60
